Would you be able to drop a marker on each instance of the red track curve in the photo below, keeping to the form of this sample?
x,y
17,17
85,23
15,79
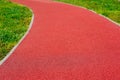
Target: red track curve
x,y
65,43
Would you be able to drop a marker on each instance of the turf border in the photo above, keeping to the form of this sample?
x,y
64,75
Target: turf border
x,y
14,48
89,10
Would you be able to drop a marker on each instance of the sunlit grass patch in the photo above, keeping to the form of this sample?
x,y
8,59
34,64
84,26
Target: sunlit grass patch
x,y
14,22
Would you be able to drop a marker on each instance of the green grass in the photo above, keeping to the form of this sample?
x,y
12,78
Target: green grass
x,y
108,8
14,21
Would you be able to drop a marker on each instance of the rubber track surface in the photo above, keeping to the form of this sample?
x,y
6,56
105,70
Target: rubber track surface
x,y
65,43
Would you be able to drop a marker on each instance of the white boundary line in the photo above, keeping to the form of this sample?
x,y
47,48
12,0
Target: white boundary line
x,y
89,10
14,48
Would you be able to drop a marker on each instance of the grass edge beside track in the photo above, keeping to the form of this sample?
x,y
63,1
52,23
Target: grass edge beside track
x,y
14,22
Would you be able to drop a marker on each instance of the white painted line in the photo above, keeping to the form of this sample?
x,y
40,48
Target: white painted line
x,y
14,48
89,10
106,18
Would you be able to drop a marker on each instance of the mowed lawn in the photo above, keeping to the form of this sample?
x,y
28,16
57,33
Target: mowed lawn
x,y
14,22
108,8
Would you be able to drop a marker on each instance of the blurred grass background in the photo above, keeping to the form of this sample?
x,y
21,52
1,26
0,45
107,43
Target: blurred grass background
x,y
108,8
14,22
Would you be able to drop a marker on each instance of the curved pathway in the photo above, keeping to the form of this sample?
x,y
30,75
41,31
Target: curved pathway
x,y
65,43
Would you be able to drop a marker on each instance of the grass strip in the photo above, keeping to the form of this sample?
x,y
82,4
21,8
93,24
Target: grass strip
x,y
14,22
108,8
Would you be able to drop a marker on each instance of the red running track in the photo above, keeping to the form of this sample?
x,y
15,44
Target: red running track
x,y
65,43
